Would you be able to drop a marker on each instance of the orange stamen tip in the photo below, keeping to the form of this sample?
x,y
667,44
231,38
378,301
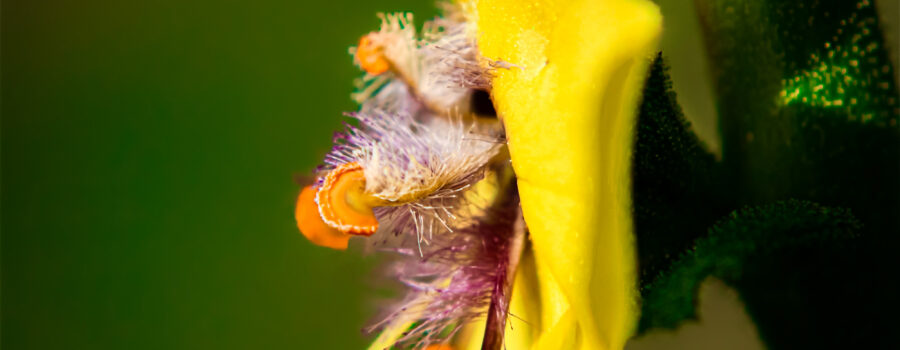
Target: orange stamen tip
x,y
343,202
371,56
439,347
310,223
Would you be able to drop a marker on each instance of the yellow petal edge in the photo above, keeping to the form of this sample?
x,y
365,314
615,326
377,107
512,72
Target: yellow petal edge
x,y
569,106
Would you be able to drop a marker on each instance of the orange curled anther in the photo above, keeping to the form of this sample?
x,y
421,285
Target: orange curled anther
x,y
371,56
343,203
310,223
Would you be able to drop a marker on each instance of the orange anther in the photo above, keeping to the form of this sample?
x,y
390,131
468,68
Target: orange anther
x,y
310,223
343,203
439,347
371,56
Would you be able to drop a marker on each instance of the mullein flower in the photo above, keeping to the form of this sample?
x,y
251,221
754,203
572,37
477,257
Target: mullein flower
x,y
429,179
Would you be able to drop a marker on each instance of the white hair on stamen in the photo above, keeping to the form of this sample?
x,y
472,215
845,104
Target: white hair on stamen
x,y
440,69
398,39
421,166
450,202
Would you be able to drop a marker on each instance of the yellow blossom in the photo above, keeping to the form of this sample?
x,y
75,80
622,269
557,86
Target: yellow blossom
x,y
569,107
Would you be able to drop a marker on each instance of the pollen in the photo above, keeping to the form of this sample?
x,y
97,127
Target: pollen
x,y
311,225
344,203
371,56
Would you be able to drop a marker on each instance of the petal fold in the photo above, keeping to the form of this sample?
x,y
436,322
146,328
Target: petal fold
x,y
569,107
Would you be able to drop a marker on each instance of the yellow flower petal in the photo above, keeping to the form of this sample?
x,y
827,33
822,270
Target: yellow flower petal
x,y
569,108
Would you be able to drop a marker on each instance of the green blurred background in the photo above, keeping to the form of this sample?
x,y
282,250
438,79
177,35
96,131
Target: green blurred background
x,y
148,156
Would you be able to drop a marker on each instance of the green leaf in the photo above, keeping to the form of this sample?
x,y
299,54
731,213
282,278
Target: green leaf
x,y
808,105
782,258
678,190
808,109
